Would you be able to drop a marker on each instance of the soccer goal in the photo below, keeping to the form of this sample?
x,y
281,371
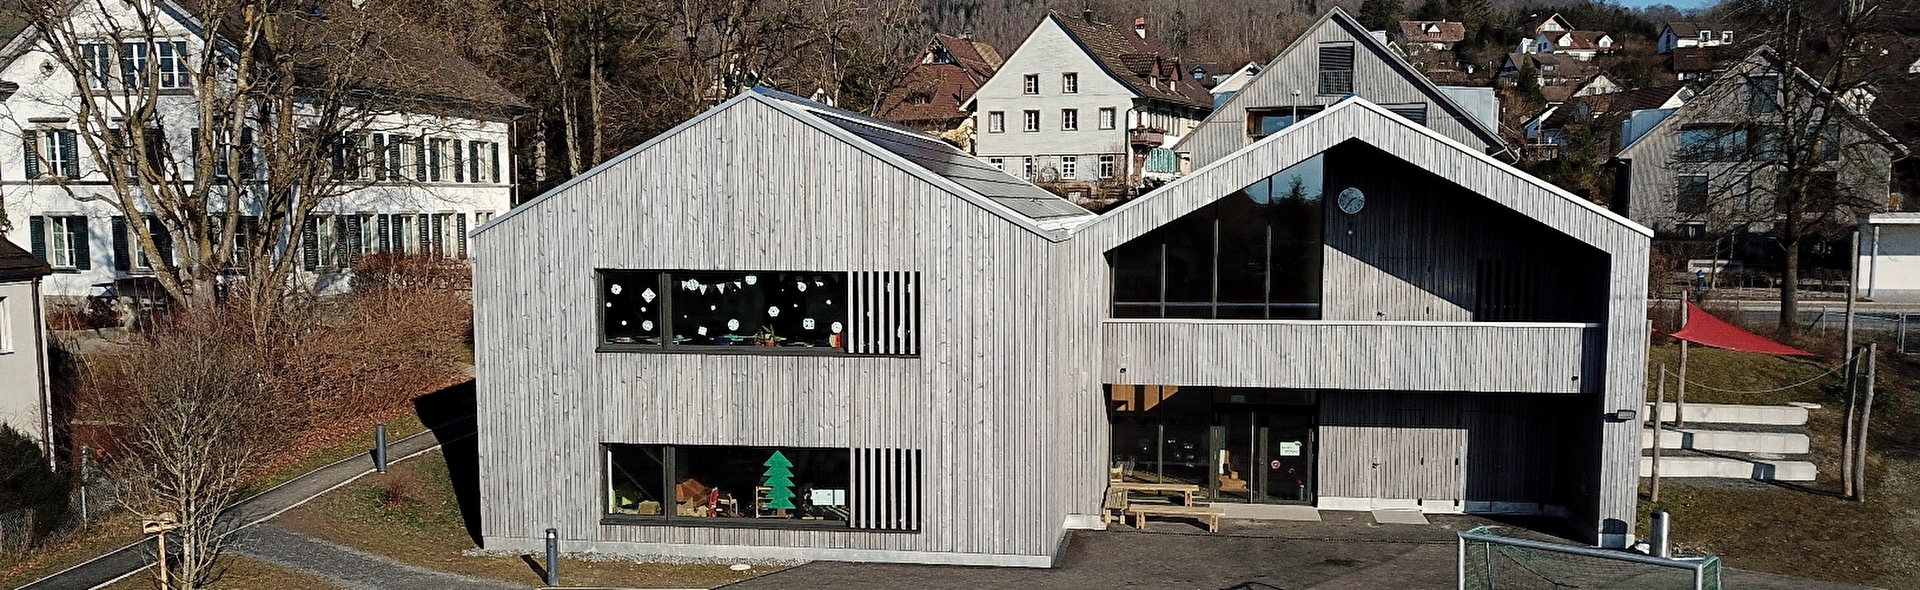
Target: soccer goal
x,y
1493,562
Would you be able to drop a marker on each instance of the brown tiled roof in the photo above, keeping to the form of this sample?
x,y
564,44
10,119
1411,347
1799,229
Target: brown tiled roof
x,y
1896,108
19,265
1416,31
1136,61
1581,40
1615,103
931,94
397,57
1692,29
1692,59
1559,92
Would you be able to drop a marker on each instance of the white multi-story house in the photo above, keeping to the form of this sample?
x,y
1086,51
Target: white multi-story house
x,y
418,179
1580,45
1680,34
1085,107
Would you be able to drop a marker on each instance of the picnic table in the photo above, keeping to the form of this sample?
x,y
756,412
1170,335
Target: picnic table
x,y
1185,490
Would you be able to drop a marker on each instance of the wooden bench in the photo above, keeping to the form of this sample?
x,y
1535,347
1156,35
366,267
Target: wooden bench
x,y
1207,514
1115,508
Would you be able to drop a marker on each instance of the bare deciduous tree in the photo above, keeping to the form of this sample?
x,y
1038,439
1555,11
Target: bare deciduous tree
x,y
189,415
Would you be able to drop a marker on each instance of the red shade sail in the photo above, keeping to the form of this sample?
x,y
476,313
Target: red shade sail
x,y
1704,329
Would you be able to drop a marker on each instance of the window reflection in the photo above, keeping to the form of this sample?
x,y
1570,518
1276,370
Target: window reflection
x,y
1255,254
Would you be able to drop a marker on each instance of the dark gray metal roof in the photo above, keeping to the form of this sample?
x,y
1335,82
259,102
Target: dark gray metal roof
x,y
947,161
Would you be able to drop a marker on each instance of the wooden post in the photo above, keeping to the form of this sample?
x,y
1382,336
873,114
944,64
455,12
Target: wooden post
x,y
1659,397
1866,418
161,560
1846,425
1680,396
1853,278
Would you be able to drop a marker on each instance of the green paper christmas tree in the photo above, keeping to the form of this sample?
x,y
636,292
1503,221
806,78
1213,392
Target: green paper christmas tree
x,y
780,482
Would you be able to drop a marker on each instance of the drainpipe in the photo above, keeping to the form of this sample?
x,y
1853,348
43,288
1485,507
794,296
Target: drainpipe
x,y
46,388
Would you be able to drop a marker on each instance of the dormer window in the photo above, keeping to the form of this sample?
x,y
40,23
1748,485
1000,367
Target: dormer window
x,y
1706,35
1726,36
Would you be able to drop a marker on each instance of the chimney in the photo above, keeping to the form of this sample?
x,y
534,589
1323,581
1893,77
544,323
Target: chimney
x,y
1140,27
1087,14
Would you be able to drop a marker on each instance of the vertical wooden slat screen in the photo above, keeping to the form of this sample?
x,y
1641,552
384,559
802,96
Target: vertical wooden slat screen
x,y
884,309
886,490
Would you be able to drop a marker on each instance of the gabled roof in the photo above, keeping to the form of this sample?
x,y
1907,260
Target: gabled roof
x,y
1764,56
1337,17
1433,31
1692,29
915,153
398,57
1579,40
938,85
1686,60
20,265
1355,118
1618,103
1135,61
1556,17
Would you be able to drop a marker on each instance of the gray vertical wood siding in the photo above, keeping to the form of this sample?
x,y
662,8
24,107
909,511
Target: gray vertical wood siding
x,y
1009,442
1378,75
1476,449
1607,452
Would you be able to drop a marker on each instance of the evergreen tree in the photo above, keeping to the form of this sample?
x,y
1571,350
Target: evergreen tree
x,y
780,480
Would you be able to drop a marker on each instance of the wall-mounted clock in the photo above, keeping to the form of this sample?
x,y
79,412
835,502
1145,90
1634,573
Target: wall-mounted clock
x,y
1352,200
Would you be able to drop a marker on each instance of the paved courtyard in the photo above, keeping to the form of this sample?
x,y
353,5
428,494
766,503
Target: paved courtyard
x,y
1345,550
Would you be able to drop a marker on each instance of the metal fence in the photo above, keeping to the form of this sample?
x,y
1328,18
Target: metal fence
x,y
1493,562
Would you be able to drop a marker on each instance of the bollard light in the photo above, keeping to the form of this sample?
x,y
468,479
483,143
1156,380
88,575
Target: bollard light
x,y
553,557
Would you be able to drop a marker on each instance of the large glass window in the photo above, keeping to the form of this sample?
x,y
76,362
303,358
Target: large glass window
x,y
1255,254
776,485
1265,122
789,310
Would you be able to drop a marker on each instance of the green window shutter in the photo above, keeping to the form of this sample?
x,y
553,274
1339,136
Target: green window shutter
x,y
384,230
37,225
495,167
353,240
310,244
424,227
31,145
121,259
162,241
82,242
460,229
438,232
459,163
420,159
69,152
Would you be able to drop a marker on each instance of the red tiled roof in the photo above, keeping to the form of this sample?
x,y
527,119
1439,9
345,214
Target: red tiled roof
x,y
1144,65
1433,31
931,93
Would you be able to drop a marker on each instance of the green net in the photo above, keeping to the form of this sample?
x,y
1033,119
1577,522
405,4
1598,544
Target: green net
x,y
1500,564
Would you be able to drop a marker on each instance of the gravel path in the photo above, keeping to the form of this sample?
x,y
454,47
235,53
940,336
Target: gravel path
x,y
347,567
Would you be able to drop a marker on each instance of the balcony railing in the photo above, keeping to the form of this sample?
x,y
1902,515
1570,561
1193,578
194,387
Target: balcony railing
x,y
1146,137
1402,356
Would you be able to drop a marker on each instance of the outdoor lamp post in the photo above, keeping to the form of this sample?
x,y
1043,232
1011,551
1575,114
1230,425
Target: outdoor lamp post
x,y
158,527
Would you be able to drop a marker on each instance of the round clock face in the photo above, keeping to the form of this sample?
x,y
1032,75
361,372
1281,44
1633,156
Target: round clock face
x,y
1352,200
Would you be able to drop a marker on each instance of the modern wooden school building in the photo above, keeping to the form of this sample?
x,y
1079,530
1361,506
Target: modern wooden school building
x,y
786,331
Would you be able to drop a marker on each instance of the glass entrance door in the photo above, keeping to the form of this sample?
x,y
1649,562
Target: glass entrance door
x,y
1263,454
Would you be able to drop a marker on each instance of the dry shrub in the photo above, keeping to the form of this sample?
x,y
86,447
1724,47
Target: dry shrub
x,y
400,487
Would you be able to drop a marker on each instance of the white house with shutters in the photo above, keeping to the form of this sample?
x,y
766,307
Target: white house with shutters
x,y
422,178
1087,107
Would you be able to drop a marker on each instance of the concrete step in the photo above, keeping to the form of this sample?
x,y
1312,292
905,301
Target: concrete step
x,y
1729,468
1780,443
1734,414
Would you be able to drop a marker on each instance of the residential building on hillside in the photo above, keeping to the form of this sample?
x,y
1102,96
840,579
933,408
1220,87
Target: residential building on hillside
x,y
1683,34
1553,24
418,178
1087,108
26,401
1225,85
1355,312
1580,45
1549,69
1693,63
1600,115
1709,168
932,94
1419,36
1334,58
